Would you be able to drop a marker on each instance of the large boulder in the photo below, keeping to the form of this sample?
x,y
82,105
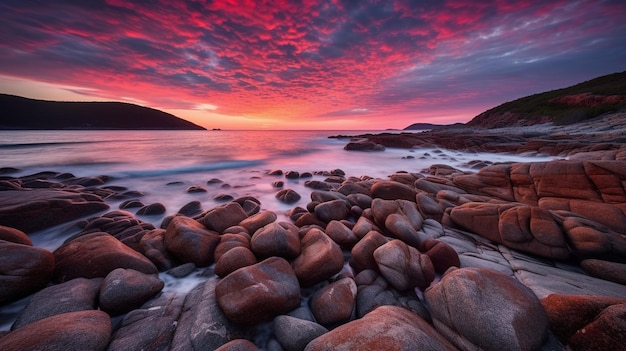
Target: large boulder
x,y
24,269
276,239
83,330
96,255
294,334
14,235
479,308
320,258
390,190
126,289
190,241
385,328
404,266
335,303
259,292
224,216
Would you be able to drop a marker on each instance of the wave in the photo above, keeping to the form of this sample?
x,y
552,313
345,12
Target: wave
x,y
189,169
46,144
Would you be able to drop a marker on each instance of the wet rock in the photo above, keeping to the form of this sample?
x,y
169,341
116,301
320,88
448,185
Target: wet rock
x,y
14,235
341,234
363,251
202,324
442,255
24,269
78,294
385,328
250,205
152,245
257,221
238,345
389,190
223,197
182,271
234,259
288,196
83,330
591,239
229,241
224,216
196,189
295,333
482,308
125,289
332,210
131,204
334,303
429,207
403,266
190,241
363,145
96,255
152,209
259,292
320,258
150,327
292,175
38,209
191,209
401,218
276,239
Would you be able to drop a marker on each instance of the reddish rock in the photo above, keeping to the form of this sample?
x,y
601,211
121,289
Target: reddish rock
x,y
590,239
482,308
258,221
401,218
230,241
565,179
320,258
429,207
390,190
83,330
442,255
332,210
363,251
190,241
612,271
152,245
341,234
293,333
96,255
233,259
224,216
403,266
288,196
334,303
14,235
123,290
385,328
238,345
24,269
259,292
276,239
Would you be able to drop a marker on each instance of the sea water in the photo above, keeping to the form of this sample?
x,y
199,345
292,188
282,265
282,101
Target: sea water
x,y
163,164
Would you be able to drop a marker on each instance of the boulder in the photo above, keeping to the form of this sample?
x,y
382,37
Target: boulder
x,y
385,328
258,293
363,252
82,330
332,210
224,216
401,218
341,234
258,221
320,258
190,241
288,196
96,255
442,255
24,269
126,289
479,308
390,190
14,235
78,294
294,334
334,303
152,245
363,145
404,266
612,271
276,239
234,259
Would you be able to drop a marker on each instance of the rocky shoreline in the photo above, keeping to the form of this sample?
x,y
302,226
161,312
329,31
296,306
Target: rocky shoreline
x,y
515,256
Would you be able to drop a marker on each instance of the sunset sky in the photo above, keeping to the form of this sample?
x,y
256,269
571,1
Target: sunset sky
x,y
311,64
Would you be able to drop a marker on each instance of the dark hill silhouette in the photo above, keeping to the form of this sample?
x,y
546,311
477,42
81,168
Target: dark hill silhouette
x,y
22,113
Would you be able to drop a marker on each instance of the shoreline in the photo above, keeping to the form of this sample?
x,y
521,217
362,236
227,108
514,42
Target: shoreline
x,y
551,231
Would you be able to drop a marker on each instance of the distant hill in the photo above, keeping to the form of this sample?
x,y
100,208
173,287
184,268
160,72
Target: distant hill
x,y
23,113
562,106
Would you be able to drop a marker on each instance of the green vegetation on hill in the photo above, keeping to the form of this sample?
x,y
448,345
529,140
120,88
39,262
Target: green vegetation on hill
x,y
562,106
22,113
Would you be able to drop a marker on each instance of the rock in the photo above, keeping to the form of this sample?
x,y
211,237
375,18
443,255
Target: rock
x,y
24,269
152,245
96,255
196,189
229,241
429,207
332,210
276,239
401,218
363,145
83,330
134,203
320,258
385,328
182,271
152,209
334,303
442,255
612,271
190,241
78,294
38,209
125,289
224,216
238,345
606,332
292,175
234,259
150,327
570,317
259,292
191,209
481,308
341,234
14,235
295,333
390,190
403,266
363,251
258,221
591,239
288,196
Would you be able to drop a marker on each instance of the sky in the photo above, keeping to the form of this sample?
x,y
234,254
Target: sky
x,y
326,64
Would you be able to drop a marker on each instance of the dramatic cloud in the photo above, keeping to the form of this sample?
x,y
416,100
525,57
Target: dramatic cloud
x,y
310,64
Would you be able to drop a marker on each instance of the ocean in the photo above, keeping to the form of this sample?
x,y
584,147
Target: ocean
x,y
163,164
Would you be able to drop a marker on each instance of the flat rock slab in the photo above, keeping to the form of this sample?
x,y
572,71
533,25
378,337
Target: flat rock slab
x,y
37,209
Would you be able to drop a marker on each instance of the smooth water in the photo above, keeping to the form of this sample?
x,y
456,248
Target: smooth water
x,y
150,161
